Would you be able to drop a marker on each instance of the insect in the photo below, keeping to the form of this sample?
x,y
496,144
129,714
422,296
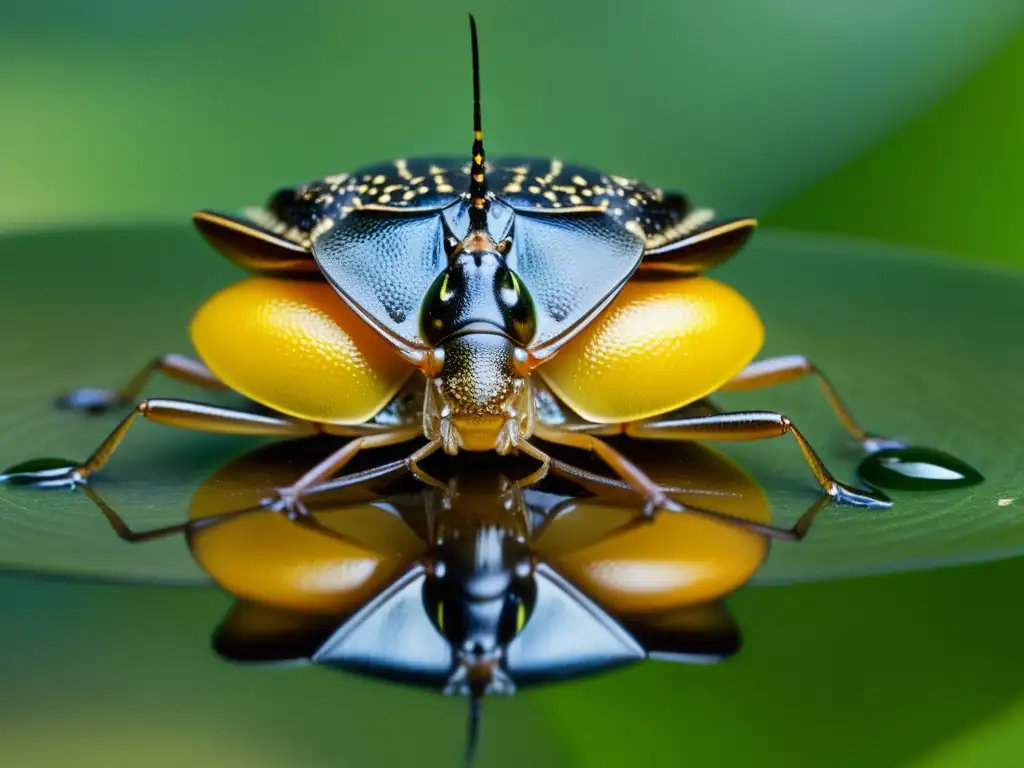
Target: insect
x,y
480,586
480,306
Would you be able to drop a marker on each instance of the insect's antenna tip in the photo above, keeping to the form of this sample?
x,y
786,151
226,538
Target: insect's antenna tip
x,y
478,177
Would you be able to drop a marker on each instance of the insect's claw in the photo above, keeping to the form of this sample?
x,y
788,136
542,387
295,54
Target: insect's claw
x,y
854,497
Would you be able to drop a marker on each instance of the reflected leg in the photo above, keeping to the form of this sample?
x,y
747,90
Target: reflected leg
x,y
291,495
779,370
176,366
623,467
796,533
124,532
749,426
121,528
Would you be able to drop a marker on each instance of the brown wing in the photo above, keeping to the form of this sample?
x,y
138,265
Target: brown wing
x,y
253,247
697,243
277,238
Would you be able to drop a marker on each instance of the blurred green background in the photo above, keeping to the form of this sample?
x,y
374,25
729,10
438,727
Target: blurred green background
x,y
899,121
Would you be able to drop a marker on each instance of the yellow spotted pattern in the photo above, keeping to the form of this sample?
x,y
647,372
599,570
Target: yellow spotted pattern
x,y
658,346
296,347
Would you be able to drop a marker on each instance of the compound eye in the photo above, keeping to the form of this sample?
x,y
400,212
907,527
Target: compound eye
x,y
516,306
441,307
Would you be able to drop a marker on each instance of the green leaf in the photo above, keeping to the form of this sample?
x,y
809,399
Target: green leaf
x,y
967,147
995,742
922,350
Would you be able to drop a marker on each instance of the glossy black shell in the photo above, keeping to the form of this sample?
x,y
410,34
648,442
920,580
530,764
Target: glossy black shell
x,y
525,184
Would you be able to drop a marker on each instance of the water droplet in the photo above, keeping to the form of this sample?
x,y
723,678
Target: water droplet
x,y
46,472
917,469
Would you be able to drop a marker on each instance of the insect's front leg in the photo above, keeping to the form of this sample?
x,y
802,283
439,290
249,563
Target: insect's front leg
x,y
635,478
289,498
438,424
183,414
175,413
180,367
410,464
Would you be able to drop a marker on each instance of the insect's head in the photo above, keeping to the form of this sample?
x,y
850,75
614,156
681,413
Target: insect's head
x,y
479,315
481,590
478,293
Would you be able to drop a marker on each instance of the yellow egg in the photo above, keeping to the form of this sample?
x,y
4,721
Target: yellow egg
x,y
295,346
662,343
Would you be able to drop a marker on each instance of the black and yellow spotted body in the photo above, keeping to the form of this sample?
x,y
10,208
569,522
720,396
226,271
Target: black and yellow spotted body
x,y
524,184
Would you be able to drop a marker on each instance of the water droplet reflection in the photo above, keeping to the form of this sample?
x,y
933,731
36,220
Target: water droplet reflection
x,y
41,473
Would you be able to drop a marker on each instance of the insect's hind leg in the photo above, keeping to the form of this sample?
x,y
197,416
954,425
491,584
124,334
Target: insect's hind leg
x,y
748,426
176,413
180,367
786,368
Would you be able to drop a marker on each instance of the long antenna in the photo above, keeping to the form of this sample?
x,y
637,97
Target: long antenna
x,y
477,176
476,703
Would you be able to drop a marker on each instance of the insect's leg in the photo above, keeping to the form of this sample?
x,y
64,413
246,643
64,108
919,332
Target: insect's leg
x,y
623,467
541,472
176,366
749,426
779,370
124,532
121,528
595,482
413,463
408,464
339,458
176,413
356,478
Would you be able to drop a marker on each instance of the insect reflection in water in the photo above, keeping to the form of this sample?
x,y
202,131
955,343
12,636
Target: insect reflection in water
x,y
484,584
